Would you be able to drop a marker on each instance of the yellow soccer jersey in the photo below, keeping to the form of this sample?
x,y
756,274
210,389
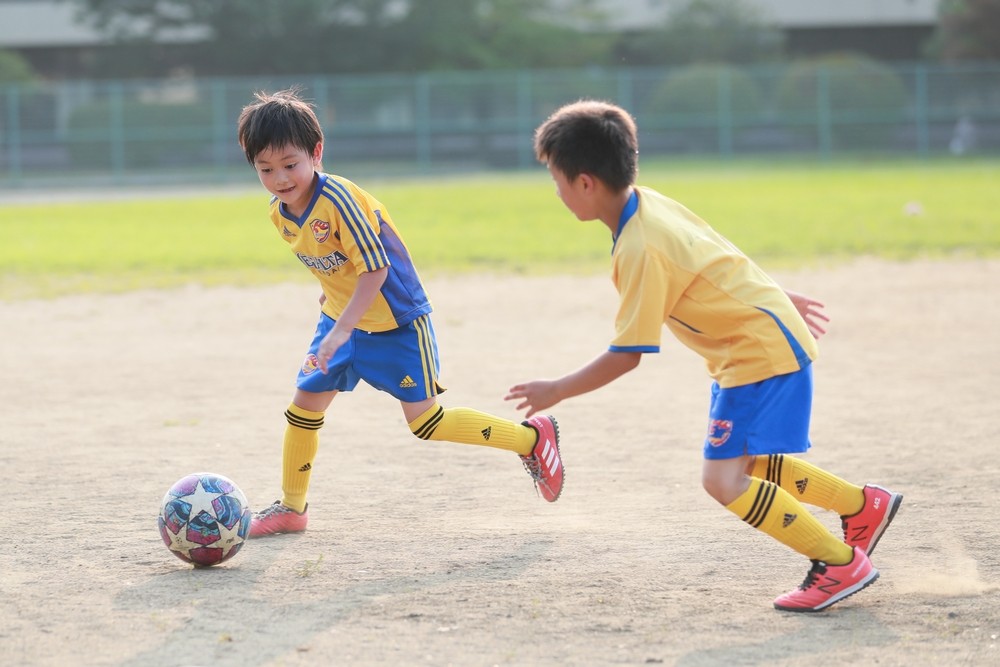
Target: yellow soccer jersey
x,y
345,232
671,268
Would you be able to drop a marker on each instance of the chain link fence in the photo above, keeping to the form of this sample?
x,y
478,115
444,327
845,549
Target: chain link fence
x,y
183,131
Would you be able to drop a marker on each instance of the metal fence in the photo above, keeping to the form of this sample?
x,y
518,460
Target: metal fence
x,y
183,131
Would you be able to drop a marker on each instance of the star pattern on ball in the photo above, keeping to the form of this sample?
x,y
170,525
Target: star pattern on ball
x,y
201,500
228,538
178,542
198,505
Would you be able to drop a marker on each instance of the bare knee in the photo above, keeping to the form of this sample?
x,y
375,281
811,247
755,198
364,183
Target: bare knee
x,y
725,480
723,493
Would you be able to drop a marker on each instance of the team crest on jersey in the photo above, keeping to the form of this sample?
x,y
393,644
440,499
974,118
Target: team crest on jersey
x,y
320,230
310,364
719,431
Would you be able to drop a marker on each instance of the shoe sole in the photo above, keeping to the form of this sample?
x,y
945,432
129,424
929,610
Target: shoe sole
x,y
842,595
895,500
274,532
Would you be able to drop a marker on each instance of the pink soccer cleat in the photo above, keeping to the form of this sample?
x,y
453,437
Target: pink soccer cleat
x,y
826,585
864,529
544,463
276,519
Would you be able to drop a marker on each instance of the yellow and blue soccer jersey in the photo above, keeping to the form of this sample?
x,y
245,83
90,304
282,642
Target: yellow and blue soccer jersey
x,y
670,267
343,233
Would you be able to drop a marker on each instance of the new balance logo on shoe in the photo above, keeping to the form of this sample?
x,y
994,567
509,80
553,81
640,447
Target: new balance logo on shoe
x,y
830,587
789,518
407,383
801,484
306,468
858,534
487,432
827,584
865,528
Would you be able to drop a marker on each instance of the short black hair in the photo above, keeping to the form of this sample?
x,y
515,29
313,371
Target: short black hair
x,y
592,137
276,120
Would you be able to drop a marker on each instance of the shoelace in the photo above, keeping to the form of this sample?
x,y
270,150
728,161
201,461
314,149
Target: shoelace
x,y
276,508
533,466
818,568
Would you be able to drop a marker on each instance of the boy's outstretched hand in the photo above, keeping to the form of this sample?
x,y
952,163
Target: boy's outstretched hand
x,y
810,310
537,395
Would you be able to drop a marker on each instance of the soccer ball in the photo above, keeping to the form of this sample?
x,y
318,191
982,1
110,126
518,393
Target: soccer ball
x,y
204,519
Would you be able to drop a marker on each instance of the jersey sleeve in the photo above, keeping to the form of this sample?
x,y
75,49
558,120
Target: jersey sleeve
x,y
648,288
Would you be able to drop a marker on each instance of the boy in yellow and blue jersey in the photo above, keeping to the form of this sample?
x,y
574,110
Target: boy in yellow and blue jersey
x,y
375,320
673,269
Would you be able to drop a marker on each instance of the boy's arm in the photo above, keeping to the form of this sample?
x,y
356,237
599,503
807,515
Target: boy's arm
x,y
364,295
541,394
809,310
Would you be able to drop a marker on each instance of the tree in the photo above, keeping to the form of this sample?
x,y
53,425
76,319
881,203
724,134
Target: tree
x,y
464,34
967,30
14,68
705,31
243,36
337,36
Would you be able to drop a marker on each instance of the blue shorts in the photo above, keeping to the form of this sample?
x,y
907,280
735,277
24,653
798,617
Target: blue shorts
x,y
402,362
767,417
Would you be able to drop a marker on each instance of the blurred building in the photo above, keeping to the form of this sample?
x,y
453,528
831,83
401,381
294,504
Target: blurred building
x,y
885,29
50,34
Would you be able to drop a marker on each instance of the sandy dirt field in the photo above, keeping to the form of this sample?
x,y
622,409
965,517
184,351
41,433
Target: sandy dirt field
x,y
441,554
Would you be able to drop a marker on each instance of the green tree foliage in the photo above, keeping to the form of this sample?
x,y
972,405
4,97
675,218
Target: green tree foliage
x,y
967,30
460,34
14,68
861,97
262,37
701,91
705,31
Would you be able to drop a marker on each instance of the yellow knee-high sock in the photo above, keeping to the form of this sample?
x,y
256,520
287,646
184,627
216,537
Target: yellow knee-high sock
x,y
810,484
772,510
472,427
301,443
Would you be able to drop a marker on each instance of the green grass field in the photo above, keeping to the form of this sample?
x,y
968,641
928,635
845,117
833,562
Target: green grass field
x,y
783,214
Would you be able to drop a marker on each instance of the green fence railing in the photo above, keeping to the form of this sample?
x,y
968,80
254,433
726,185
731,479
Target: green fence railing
x,y
183,130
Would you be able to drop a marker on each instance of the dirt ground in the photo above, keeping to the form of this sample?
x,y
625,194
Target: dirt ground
x,y
441,554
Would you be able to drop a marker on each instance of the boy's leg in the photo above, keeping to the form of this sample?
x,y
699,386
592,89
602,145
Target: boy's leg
x,y
865,512
429,421
808,483
837,571
772,510
301,443
536,440
305,418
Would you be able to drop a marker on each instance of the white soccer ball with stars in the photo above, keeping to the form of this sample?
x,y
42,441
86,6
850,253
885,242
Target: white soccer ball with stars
x,y
204,519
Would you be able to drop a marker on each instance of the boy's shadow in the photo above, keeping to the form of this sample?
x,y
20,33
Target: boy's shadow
x,y
222,604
